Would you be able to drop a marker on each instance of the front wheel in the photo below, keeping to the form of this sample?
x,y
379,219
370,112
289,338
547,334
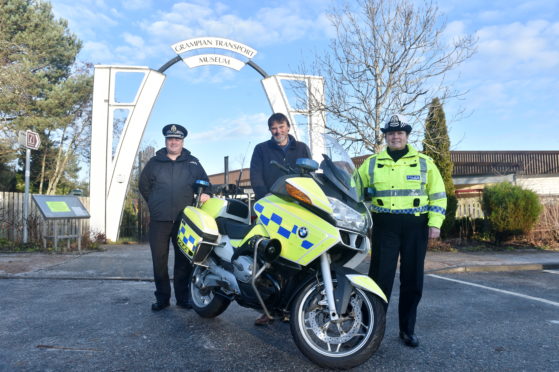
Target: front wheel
x,y
203,299
343,343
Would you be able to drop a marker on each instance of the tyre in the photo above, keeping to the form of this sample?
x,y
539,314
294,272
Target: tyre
x,y
340,344
203,299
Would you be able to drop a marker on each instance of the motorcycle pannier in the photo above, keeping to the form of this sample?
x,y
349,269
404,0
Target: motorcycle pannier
x,y
197,234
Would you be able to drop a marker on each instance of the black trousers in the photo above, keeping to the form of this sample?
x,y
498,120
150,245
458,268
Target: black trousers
x,y
406,236
160,233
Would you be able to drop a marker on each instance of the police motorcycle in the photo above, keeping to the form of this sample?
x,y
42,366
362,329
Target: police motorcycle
x,y
297,260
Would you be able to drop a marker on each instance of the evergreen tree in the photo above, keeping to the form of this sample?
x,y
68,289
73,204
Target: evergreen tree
x,y
42,90
436,144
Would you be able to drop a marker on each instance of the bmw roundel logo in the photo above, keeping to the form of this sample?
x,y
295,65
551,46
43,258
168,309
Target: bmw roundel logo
x,y
302,232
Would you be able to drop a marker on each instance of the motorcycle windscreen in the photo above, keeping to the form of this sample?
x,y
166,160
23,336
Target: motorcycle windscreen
x,y
303,235
196,227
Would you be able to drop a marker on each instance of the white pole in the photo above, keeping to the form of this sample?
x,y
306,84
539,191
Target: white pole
x,y
26,194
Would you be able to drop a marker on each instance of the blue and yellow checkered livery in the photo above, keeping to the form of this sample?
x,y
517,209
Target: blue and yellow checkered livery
x,y
196,227
303,235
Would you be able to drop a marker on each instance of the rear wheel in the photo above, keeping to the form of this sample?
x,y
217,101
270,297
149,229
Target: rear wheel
x,y
204,301
343,343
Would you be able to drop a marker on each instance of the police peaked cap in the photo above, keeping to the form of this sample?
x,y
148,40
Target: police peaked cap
x,y
174,131
395,124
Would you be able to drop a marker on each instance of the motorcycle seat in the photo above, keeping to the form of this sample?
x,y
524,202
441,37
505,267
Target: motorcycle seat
x,y
233,229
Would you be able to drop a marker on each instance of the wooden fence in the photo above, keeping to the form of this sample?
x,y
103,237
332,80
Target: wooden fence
x,y
469,206
11,220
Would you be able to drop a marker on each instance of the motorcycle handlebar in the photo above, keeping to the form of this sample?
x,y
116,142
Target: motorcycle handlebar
x,y
282,167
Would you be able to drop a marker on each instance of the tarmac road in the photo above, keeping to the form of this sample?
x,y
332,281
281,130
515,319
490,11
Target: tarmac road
x,y
91,313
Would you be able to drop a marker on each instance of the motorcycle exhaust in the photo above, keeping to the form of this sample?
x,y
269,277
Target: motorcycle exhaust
x,y
269,249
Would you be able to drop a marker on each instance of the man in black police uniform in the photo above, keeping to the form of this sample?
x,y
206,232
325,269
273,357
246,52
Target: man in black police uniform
x,y
284,149
167,184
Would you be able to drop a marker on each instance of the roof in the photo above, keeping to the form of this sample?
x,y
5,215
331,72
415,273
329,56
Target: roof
x,y
233,177
528,163
476,163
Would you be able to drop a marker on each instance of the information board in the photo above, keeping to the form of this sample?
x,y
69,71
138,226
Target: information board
x,y
60,206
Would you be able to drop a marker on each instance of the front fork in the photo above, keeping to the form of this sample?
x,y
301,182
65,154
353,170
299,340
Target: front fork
x,y
328,285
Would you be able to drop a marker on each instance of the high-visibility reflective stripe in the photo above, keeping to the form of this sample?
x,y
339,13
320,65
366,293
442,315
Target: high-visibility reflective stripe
x,y
423,170
425,208
437,196
400,193
434,208
376,209
372,163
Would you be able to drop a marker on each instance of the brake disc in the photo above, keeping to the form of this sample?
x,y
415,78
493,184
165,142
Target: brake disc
x,y
320,324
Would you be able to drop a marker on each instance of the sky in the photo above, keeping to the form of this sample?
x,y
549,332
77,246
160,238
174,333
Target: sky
x,y
511,83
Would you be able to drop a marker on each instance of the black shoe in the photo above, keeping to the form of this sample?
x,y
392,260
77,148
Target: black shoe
x,y
184,305
409,340
157,306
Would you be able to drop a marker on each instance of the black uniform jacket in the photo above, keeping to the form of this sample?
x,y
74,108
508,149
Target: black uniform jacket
x,y
168,185
262,174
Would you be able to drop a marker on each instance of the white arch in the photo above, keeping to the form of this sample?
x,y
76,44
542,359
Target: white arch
x,y
110,175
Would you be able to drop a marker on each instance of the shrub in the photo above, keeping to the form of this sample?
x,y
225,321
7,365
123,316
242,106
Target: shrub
x,y
92,240
510,210
448,229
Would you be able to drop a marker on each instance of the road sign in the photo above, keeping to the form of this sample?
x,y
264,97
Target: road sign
x,y
32,140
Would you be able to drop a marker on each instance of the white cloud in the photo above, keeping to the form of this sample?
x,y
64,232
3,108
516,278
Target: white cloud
x,y
243,127
98,52
265,26
491,15
136,4
131,25
531,46
133,40
81,15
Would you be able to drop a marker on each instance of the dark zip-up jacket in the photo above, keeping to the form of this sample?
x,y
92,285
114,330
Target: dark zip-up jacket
x,y
262,174
168,185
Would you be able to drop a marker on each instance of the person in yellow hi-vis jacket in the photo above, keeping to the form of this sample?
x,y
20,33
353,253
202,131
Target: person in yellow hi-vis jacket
x,y
408,203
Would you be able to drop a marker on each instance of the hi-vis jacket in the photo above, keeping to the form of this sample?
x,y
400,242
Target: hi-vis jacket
x,y
412,185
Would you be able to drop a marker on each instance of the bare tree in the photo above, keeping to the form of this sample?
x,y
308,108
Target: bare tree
x,y
388,57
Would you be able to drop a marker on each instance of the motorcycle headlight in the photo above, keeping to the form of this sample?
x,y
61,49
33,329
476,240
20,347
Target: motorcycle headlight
x,y
347,217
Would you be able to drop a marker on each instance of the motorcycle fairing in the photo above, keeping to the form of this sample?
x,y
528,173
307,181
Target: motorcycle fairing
x,y
313,191
228,208
303,235
366,283
257,230
196,226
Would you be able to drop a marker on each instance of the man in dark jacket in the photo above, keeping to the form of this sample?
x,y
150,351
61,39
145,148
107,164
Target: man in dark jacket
x,y
284,149
167,184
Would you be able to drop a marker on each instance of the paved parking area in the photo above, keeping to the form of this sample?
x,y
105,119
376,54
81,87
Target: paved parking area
x,y
91,313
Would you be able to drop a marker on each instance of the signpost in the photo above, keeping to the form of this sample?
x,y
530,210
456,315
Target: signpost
x,y
31,141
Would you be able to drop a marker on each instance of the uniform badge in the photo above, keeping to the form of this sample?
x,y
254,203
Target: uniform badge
x,y
413,178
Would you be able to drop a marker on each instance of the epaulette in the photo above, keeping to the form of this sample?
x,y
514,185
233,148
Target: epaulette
x,y
425,156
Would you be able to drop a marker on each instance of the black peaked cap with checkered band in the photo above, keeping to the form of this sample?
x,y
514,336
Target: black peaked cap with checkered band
x,y
395,124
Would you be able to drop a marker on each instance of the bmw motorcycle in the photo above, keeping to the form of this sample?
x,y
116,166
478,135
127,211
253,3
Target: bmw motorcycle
x,y
297,260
